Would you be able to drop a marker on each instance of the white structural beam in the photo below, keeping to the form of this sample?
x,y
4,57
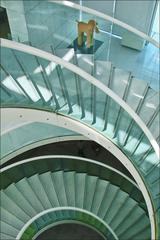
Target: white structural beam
x,y
68,157
21,115
39,143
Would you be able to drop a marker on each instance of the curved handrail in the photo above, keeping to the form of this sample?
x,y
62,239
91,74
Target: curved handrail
x,y
73,68
63,222
83,129
99,164
59,209
108,18
39,143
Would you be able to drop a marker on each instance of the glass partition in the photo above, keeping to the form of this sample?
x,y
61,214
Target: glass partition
x,y
48,25
32,82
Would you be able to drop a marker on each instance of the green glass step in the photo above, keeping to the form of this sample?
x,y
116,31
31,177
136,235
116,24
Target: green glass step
x,y
135,229
8,229
123,213
57,178
135,216
69,187
99,194
38,188
109,197
80,179
103,199
25,187
6,236
9,204
47,182
14,192
11,219
29,233
90,191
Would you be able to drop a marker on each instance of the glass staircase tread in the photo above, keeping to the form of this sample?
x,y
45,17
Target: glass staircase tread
x,y
29,172
20,77
25,187
6,96
136,93
70,86
99,194
5,236
113,211
11,86
88,104
11,219
53,98
57,178
135,229
53,77
120,81
155,187
40,224
155,128
123,212
35,73
143,235
80,181
150,161
45,218
102,71
37,187
40,168
13,192
153,175
34,83
60,215
150,104
134,216
52,216
69,187
66,54
14,208
46,179
8,229
85,62
109,196
32,133
90,191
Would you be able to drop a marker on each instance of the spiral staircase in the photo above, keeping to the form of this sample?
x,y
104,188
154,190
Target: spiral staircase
x,y
52,93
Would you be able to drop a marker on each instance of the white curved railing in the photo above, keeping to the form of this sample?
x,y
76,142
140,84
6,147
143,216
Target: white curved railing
x,y
87,77
64,222
39,143
79,127
108,18
60,209
105,166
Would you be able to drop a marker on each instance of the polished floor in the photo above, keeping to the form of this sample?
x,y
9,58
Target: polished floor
x,y
50,25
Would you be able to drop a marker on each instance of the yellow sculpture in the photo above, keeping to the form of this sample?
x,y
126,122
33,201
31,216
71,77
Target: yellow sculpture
x,y
89,29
